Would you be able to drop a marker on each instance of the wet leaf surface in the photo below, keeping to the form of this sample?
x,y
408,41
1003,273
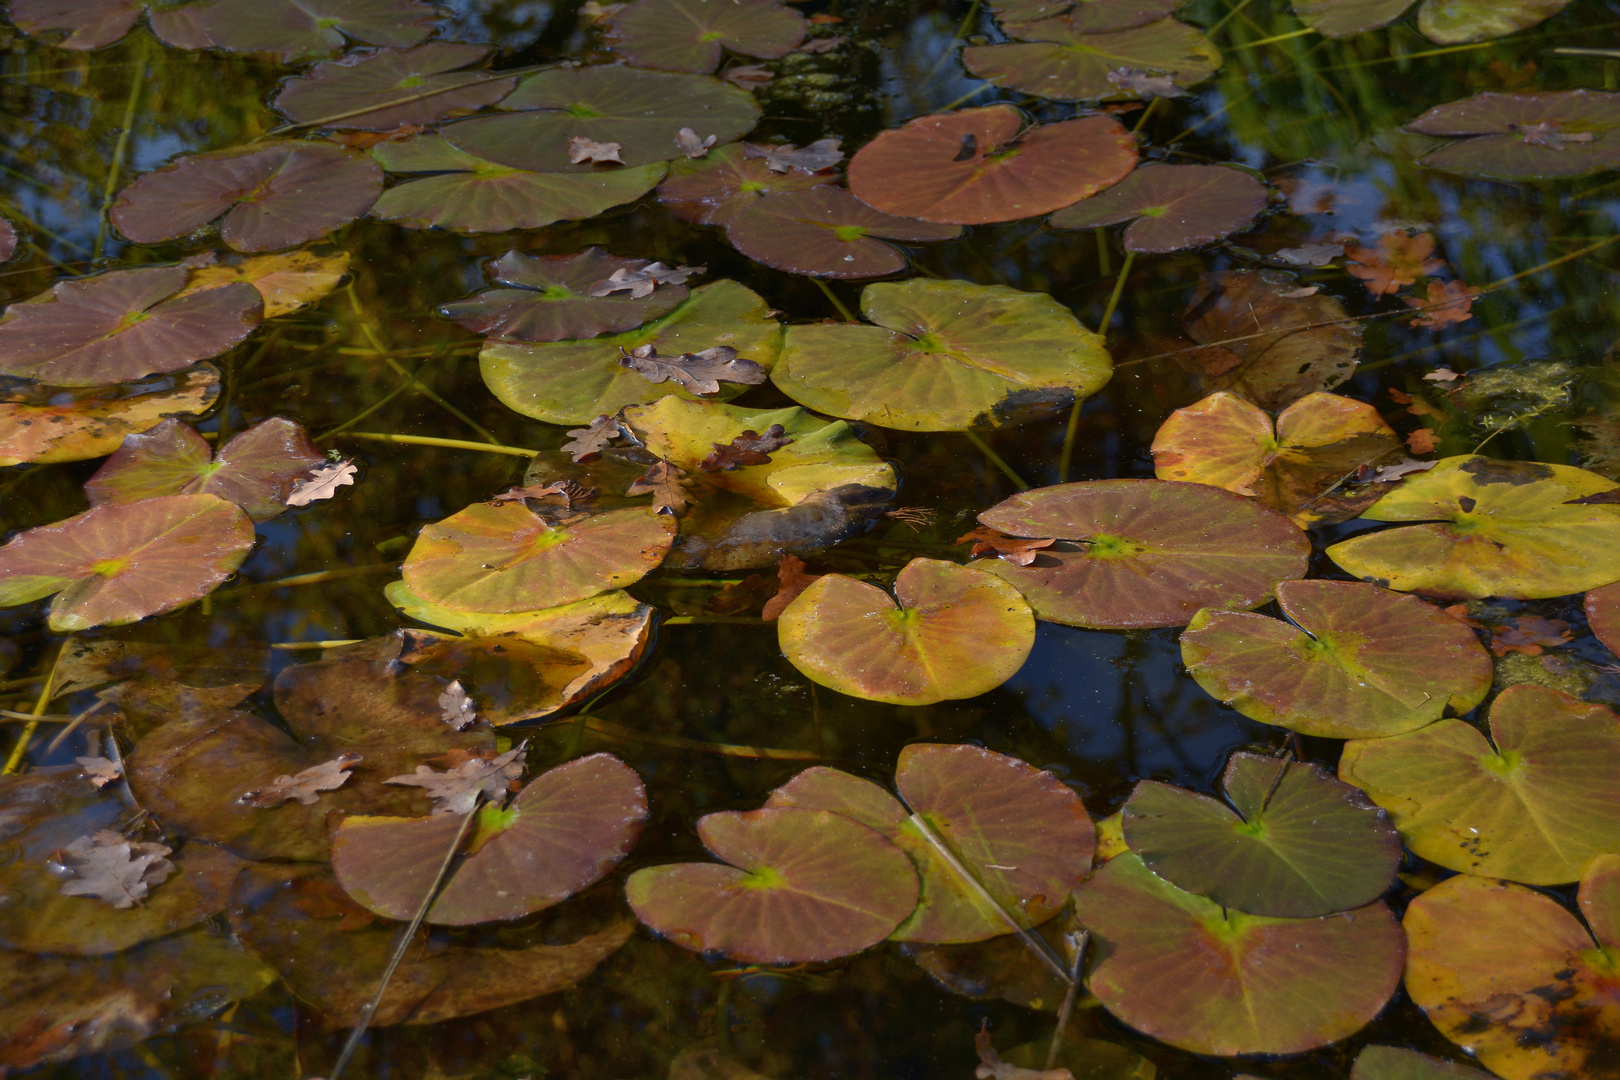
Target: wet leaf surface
x,y
387,89
287,281
826,232
688,35
548,298
712,190
1057,61
1525,136
44,424
300,29
1171,207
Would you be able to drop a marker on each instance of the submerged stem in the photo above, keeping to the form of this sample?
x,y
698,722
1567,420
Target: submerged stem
x,y
995,459
1077,946
453,444
833,298
137,82
40,704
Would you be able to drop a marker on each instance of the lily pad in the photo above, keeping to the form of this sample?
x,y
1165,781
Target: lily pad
x,y
948,632
1176,967
8,240
1056,60
45,424
801,886
495,558
687,35
562,833
1456,22
332,954
1353,661
113,565
1095,16
1525,135
384,90
287,281
1266,344
1139,553
1399,1063
1293,843
712,189
1346,18
1512,977
983,165
301,29
1289,465
272,195
600,640
999,967
1603,613
47,810
1537,806
1494,528
943,356
826,232
256,470
122,325
573,382
473,195
642,111
1171,207
548,298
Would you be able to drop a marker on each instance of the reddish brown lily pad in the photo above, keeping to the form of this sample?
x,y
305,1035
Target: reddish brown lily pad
x,y
1171,207
1603,613
826,232
548,298
1525,135
983,165
687,35
1060,61
712,189
388,89
1138,553
299,29
45,424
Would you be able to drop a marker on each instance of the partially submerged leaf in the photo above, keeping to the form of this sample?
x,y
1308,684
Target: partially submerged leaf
x,y
1399,1063
826,232
1057,61
1014,550
392,88
100,771
457,790
287,281
687,35
1525,135
816,157
1171,207
1444,304
306,786
1401,259
991,1067
728,180
44,424
640,281
109,867
551,298
696,373
666,484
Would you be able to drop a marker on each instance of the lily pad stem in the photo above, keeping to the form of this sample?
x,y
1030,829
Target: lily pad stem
x,y
453,444
623,734
995,459
1077,959
40,704
832,297
121,147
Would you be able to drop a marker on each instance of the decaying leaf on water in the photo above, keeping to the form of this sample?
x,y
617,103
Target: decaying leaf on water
x,y
749,448
1400,260
305,786
100,771
697,373
1529,634
664,482
791,581
1444,304
1013,549
991,1067
459,710
588,442
322,483
1310,254
640,283
456,791
687,141
109,867
819,155
1143,84
582,149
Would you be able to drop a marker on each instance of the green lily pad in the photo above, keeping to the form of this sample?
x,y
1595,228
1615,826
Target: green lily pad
x,y
826,232
573,382
1139,553
1399,1063
45,424
642,111
548,298
1457,22
801,886
384,90
983,165
712,189
1293,843
47,810
332,953
561,834
301,29
1266,344
256,470
118,564
122,325
1603,613
1526,135
1494,528
57,1008
1512,977
1353,661
948,632
1095,16
1055,60
470,194
599,639
687,35
1536,807
1289,465
272,195
1171,207
943,356
1258,986
495,558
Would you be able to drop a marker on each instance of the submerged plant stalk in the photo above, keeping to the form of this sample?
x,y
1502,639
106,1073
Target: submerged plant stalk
x,y
40,704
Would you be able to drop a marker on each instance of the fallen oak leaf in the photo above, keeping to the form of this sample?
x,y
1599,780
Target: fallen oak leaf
x,y
1422,441
640,283
992,1067
107,866
587,443
1011,549
1133,81
532,491
819,155
749,448
305,786
581,149
693,147
698,373
1445,304
665,482
457,791
100,771
791,581
1400,260
456,708
322,483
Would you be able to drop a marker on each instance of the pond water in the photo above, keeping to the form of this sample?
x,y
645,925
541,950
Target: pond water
x,y
713,716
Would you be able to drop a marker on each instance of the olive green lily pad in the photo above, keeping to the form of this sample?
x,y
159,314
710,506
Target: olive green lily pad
x,y
1293,843
1512,977
470,194
1494,528
642,111
48,809
983,165
1399,1063
1139,553
948,632
1538,135
565,831
384,90
827,232
1603,613
122,325
710,190
1447,22
256,470
1171,207
1056,61
1096,16
1346,18
548,298
1537,806
1353,661
801,886
496,558
574,382
118,564
45,424
332,954
300,29
688,35
1289,464
1259,986
943,356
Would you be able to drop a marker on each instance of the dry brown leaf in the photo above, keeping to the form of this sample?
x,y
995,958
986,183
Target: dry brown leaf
x,y
587,443
665,483
1445,304
305,786
791,581
456,708
749,448
457,791
322,483
1422,441
1400,260
1011,549
687,141
109,867
100,771
641,283
581,149
697,373
821,154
